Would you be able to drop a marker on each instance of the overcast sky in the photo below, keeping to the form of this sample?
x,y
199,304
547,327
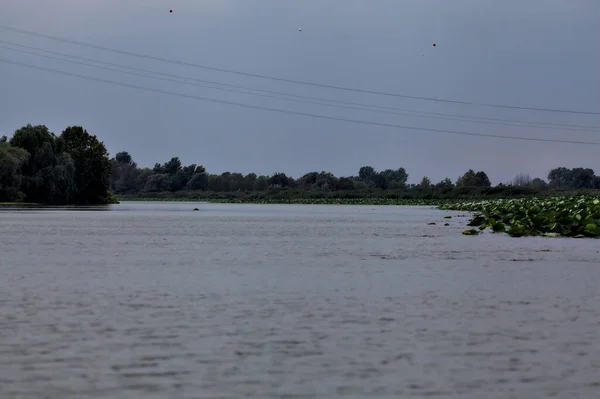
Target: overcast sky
x,y
541,53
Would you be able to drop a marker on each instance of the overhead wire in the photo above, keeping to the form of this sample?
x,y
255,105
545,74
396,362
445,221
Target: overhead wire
x,y
248,74
283,111
315,100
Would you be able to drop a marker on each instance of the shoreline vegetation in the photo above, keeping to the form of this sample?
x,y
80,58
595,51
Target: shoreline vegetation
x,y
358,197
38,167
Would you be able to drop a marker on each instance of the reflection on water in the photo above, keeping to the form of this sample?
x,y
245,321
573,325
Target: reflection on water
x,y
155,300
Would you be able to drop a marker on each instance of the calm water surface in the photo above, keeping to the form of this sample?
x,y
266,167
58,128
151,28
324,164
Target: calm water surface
x,y
158,301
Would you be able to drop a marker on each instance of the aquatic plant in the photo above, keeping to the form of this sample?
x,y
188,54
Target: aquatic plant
x,y
552,217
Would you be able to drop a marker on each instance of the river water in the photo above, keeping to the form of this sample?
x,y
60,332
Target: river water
x,y
154,300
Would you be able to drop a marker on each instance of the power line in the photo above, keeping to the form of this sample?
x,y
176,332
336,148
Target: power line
x,y
91,78
194,65
385,110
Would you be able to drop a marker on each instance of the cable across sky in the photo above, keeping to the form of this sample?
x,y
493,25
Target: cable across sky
x,y
355,121
314,84
315,101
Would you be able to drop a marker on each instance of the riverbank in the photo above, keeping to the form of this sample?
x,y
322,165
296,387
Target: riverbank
x,y
19,204
355,197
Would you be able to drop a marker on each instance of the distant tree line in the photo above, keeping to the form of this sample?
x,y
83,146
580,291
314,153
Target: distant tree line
x,y
75,168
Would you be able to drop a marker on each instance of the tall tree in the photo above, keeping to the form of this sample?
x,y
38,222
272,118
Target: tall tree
x,y
32,139
469,179
124,176
12,160
92,165
391,178
582,178
559,177
279,180
366,174
425,182
482,180
42,146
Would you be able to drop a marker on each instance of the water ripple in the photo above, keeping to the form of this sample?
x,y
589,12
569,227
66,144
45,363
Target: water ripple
x,y
291,302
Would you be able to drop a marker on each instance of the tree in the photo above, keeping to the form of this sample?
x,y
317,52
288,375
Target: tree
x,y
158,182
173,166
249,181
538,184
92,165
445,184
32,139
345,183
42,145
236,181
469,179
307,181
198,181
12,160
261,183
392,178
559,177
366,174
577,178
64,179
522,180
327,181
279,180
425,182
124,174
182,177
582,178
482,180
124,158
143,174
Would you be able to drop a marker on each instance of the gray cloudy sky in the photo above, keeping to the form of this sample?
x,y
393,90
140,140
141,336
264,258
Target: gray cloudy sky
x,y
532,53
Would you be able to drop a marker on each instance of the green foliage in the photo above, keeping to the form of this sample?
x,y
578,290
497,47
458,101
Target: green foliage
x,y
425,182
12,160
38,167
555,216
472,179
577,178
92,166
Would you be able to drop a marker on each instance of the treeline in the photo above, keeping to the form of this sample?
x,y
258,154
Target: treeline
x,y
174,180
75,168
172,176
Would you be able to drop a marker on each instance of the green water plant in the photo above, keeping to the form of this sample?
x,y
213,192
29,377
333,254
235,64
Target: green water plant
x,y
551,217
